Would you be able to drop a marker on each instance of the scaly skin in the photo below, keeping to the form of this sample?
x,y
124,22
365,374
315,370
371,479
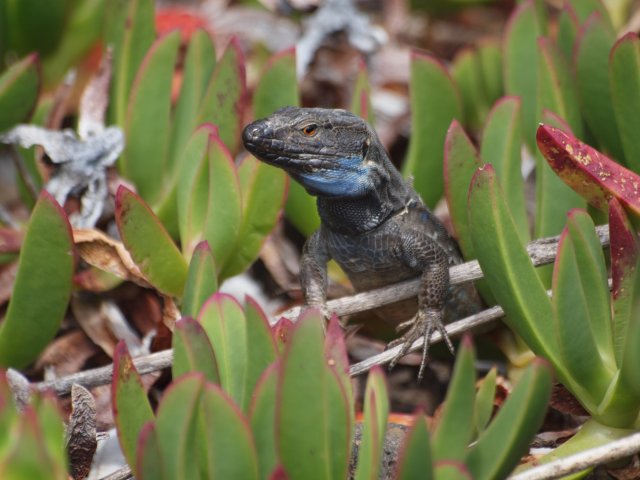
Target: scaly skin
x,y
374,224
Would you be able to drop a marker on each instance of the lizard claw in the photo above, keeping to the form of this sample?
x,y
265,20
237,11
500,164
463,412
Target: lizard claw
x,y
422,325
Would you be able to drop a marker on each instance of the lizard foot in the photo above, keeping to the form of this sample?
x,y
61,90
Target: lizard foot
x,y
422,325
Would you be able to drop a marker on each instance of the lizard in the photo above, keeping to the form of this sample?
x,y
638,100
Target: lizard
x,y
373,223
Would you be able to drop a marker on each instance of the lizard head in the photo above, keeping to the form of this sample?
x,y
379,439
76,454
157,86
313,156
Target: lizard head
x,y
332,153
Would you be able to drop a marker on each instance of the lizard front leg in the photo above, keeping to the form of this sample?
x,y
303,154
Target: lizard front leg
x,y
313,274
434,288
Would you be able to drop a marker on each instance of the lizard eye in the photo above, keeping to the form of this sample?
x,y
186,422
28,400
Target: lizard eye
x,y
310,130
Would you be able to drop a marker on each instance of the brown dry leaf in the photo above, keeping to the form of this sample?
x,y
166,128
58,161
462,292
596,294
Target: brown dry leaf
x,y
105,253
170,312
81,432
67,353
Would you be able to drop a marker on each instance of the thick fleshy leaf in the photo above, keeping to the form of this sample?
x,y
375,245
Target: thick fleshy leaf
x,y
435,103
415,456
467,73
176,426
150,461
591,64
42,285
310,399
262,415
525,25
624,75
202,280
589,172
223,222
199,64
277,88
361,96
490,56
499,448
262,200
192,351
131,408
553,198
583,9
567,31
20,20
625,253
501,146
376,410
131,30
261,346
335,350
230,449
149,244
455,426
508,269
484,401
19,86
581,307
452,471
147,125
460,163
53,429
223,102
630,365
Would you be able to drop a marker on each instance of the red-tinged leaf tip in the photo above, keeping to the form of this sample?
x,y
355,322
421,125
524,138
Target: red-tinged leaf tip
x,y
282,330
335,346
209,127
590,173
257,307
542,363
517,12
279,473
202,247
459,468
147,430
624,245
467,341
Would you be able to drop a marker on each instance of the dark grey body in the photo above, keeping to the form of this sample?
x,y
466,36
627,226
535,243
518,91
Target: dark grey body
x,y
374,224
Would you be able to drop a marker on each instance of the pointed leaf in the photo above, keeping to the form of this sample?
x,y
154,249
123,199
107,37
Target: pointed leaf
x,y
585,8
361,96
149,244
484,401
376,410
435,103
262,197
130,29
591,64
223,102
147,125
231,452
261,346
262,415
499,448
501,146
490,55
192,351
150,462
455,426
415,456
19,87
226,326
587,171
199,64
467,73
520,57
131,409
202,280
310,399
42,286
452,471
176,426
581,307
624,75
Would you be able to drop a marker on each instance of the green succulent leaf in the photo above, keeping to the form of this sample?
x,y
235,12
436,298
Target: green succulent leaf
x,y
228,442
415,457
131,408
484,401
435,103
525,26
455,426
176,426
310,398
376,410
624,75
452,471
192,351
468,75
501,146
224,99
42,285
202,280
567,31
148,121
131,30
149,243
19,88
583,9
150,462
500,446
262,416
361,97
591,64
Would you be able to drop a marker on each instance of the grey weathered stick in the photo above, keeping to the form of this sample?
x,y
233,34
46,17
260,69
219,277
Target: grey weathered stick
x,y
609,452
541,251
